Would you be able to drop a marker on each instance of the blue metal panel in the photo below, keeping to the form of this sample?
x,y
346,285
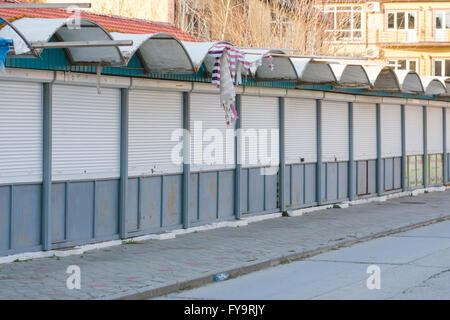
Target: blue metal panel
x,y
298,185
132,218
379,173
238,170
310,183
5,210
256,190
226,194
193,198
351,163
343,181
319,171
332,181
444,147
271,192
244,191
186,159
404,157
288,185
361,174
172,198
123,188
425,147
282,174
106,208
208,196
397,173
80,210
47,166
323,183
58,213
26,216
150,203
372,177
388,174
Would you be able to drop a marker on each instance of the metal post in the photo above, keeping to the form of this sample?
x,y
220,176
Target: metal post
x,y
379,155
445,155
425,147
404,184
238,160
186,157
123,162
47,166
319,152
351,160
281,103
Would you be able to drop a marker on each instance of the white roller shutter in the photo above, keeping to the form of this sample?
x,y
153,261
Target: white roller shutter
x,y
155,117
335,146
215,150
86,133
260,115
300,130
391,131
435,137
20,132
365,131
414,130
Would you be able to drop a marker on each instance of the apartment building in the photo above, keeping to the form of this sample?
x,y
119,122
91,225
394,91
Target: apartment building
x,y
410,35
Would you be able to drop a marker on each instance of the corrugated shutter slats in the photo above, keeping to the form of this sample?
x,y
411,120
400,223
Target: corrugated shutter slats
x,y
365,131
391,131
335,144
414,130
153,117
435,138
20,132
86,133
300,130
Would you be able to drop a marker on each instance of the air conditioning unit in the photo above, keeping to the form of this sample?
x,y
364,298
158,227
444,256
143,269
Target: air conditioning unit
x,y
373,53
373,7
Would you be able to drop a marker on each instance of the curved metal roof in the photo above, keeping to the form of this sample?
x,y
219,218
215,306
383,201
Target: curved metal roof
x,y
309,71
25,42
410,81
283,69
434,85
198,53
33,30
383,79
351,75
159,52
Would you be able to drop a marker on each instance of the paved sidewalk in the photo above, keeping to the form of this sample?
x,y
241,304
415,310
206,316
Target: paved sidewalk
x,y
158,267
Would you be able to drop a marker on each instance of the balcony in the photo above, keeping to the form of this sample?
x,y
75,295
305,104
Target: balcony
x,y
410,38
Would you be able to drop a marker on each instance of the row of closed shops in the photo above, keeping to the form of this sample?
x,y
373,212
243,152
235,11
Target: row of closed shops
x,y
294,149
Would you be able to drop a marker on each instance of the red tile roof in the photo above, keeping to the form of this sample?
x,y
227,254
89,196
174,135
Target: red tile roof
x,y
110,23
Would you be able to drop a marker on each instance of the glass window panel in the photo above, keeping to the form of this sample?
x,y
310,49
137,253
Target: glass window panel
x,y
413,65
357,35
411,21
447,19
343,20
447,68
391,20
330,20
438,68
402,64
356,20
344,35
400,20
438,19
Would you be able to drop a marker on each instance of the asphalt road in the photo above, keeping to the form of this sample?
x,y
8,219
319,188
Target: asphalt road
x,y
412,265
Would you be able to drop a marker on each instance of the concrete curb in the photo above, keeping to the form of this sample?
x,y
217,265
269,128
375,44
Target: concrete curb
x,y
148,293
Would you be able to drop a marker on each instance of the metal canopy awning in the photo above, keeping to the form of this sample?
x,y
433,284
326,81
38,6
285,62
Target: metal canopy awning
x,y
350,76
383,79
37,32
310,71
434,85
159,52
198,53
410,81
283,69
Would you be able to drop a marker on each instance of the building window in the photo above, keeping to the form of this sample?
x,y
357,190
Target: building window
x,y
344,22
400,20
441,67
442,20
404,64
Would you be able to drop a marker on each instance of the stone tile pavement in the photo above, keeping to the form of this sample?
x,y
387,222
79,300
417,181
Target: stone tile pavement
x,y
155,267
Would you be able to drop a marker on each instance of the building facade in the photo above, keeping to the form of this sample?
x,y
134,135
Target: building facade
x,y
409,35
